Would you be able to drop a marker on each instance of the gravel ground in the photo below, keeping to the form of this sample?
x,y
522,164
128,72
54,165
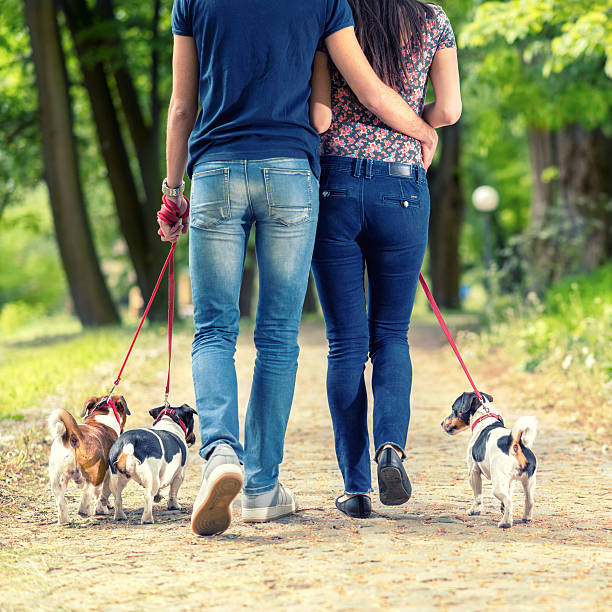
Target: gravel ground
x,y
425,555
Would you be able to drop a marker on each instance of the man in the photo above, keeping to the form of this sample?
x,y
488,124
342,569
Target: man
x,y
253,159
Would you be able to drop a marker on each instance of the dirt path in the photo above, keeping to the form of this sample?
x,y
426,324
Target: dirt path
x,y
426,555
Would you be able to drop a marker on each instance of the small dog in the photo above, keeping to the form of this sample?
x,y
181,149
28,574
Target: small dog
x,y
154,458
80,452
501,454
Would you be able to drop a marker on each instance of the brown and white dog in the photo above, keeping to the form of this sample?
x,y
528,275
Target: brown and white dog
x,y
501,454
80,452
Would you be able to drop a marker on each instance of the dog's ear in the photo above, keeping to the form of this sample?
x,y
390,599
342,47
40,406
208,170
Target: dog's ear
x,y
88,405
188,409
119,399
154,412
463,404
488,397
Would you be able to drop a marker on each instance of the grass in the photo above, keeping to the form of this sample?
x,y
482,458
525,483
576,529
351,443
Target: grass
x,y
565,336
57,361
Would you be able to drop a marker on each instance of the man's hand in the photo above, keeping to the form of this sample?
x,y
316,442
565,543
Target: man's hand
x,y
173,218
429,147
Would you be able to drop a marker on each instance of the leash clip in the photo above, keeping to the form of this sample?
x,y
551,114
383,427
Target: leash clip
x,y
166,403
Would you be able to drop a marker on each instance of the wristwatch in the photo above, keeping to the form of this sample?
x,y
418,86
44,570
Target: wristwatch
x,y
172,191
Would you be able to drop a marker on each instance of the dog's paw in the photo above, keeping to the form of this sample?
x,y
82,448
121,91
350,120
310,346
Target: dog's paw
x,y
101,511
475,510
174,505
120,516
158,498
504,524
84,513
147,520
526,519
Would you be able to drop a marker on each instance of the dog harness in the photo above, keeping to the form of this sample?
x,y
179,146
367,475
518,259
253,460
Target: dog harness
x,y
175,417
108,402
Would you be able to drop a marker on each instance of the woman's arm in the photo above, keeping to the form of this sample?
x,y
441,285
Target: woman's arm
x,y
320,98
183,107
444,75
377,97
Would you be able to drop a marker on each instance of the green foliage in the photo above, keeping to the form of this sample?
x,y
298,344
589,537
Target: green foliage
x,y
32,276
549,60
20,162
570,329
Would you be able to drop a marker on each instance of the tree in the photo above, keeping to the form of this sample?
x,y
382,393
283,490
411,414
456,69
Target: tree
x,y
92,301
551,63
446,217
100,50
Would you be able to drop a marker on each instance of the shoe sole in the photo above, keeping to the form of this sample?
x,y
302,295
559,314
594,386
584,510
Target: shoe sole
x,y
263,515
215,513
391,488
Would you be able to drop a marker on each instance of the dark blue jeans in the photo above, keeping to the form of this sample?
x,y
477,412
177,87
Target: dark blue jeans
x,y
373,216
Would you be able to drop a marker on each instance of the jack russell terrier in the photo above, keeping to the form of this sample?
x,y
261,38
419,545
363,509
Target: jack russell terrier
x,y
501,454
154,458
80,452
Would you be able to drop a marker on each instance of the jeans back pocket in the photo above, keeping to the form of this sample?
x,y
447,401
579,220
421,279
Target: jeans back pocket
x,y
210,201
289,194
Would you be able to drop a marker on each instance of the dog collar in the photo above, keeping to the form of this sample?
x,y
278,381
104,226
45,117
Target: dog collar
x,y
175,417
484,416
111,404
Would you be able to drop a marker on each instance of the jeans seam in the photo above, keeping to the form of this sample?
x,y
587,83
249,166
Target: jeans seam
x,y
248,189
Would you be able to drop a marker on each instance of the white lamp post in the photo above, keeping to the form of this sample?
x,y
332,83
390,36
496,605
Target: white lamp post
x,y
486,199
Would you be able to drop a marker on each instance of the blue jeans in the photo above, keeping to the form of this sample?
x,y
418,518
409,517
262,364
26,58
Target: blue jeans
x,y
280,196
375,217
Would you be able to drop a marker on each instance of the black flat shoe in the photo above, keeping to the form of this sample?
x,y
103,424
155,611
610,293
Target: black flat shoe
x,y
394,487
357,506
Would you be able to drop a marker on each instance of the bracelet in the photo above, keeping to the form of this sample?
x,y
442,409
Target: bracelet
x,y
172,191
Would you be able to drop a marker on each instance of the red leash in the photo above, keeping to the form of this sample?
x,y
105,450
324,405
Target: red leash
x,y
447,333
170,214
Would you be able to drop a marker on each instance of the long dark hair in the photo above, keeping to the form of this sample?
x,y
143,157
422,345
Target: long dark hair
x,y
384,28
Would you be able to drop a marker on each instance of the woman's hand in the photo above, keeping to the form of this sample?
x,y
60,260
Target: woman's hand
x,y
173,218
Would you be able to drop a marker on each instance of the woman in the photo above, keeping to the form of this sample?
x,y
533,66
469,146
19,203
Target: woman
x,y
374,214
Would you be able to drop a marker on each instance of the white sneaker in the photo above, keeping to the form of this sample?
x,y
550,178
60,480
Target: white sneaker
x,y
221,482
268,506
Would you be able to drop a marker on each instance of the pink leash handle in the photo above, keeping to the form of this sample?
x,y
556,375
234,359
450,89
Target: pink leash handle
x,y
447,333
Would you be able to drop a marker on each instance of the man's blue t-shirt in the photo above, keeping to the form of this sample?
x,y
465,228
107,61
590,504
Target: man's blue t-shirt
x,y
255,69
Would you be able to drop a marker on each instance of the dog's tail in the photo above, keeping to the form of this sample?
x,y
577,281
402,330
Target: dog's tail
x,y
62,424
125,462
524,430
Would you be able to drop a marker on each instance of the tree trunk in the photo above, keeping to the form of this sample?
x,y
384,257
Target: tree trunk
x,y
447,208
144,136
542,148
585,181
136,219
92,301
